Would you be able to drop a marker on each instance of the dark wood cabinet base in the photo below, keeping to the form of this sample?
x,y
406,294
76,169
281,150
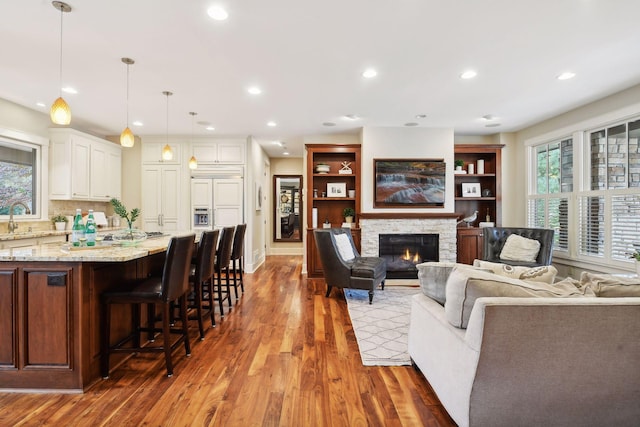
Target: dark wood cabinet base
x,y
50,320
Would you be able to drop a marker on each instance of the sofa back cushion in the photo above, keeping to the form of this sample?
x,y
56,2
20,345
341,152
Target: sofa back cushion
x,y
466,285
545,273
608,286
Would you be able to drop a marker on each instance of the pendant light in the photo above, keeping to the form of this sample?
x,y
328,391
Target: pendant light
x,y
126,137
167,153
193,162
60,112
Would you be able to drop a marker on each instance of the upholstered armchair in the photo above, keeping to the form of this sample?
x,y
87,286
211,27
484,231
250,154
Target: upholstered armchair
x,y
342,264
494,239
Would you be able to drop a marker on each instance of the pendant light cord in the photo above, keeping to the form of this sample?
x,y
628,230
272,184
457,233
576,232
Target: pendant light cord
x,y
60,74
127,124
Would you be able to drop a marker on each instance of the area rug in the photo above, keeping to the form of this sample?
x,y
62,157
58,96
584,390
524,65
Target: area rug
x,y
381,328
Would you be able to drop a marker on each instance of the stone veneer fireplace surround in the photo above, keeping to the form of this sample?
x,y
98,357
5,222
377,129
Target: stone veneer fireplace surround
x,y
442,224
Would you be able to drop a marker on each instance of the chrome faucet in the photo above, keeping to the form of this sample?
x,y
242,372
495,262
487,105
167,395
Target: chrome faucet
x,y
12,224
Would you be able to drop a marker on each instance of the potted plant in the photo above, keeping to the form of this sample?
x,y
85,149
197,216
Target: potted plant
x,y
129,235
635,255
459,163
59,221
348,214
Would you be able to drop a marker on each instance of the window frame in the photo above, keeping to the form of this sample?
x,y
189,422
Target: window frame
x,y
41,145
533,196
581,134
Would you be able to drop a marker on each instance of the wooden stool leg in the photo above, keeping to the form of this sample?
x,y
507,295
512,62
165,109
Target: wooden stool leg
x,y
209,284
219,290
228,283
185,328
167,338
151,323
197,289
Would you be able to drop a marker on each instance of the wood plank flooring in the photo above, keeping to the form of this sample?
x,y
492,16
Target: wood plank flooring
x,y
284,356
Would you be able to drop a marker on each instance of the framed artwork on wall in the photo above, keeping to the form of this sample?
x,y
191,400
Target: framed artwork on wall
x,y
409,183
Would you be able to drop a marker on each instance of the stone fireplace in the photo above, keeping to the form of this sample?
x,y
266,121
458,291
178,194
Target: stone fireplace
x,y
442,225
402,252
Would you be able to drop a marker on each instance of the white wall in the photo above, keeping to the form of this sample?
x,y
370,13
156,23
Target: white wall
x,y
256,177
405,143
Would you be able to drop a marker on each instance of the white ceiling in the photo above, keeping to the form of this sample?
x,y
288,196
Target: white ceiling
x,y
308,58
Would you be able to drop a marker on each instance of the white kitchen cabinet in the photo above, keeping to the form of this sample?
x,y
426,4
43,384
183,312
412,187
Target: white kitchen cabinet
x,y
220,152
83,167
152,153
161,197
106,165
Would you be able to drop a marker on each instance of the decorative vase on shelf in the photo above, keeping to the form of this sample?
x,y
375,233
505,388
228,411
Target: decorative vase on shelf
x,y
60,226
129,236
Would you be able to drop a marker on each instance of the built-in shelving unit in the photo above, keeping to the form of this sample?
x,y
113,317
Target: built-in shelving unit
x,y
488,201
329,209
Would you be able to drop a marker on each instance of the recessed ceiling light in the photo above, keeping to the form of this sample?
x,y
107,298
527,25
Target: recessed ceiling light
x,y
566,75
421,116
492,125
488,117
277,143
210,128
351,117
137,123
469,74
411,124
272,124
40,104
328,124
254,90
69,90
286,153
217,13
369,73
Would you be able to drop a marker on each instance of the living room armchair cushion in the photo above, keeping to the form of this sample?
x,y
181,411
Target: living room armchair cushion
x,y
494,239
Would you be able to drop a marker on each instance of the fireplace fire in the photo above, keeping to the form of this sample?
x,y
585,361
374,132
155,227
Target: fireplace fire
x,y
403,252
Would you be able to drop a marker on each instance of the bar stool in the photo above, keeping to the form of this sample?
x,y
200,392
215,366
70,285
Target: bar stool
x,y
173,285
221,266
237,254
201,275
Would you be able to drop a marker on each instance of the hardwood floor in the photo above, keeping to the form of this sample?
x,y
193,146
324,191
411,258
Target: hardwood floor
x,y
284,356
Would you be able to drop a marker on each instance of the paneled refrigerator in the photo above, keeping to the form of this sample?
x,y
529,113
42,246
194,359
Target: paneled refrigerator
x,y
216,201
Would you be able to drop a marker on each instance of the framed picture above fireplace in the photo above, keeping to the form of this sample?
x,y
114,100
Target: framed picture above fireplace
x,y
409,183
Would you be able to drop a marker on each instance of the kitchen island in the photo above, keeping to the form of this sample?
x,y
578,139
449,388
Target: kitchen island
x,y
50,310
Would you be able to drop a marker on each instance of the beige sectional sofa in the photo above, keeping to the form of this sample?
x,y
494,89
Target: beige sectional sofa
x,y
569,359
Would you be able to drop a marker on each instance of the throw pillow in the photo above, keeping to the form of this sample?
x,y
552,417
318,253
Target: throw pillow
x,y
544,274
344,247
609,286
518,248
466,285
433,278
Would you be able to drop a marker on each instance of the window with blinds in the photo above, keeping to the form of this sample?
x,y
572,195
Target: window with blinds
x,y
625,230
548,206
592,226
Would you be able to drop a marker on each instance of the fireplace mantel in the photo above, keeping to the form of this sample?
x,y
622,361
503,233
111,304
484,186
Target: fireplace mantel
x,y
408,215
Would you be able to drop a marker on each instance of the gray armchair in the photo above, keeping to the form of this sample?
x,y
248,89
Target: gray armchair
x,y
356,273
495,237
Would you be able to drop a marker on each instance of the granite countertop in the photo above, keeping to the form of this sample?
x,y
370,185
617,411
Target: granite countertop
x,y
103,253
32,234
45,233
